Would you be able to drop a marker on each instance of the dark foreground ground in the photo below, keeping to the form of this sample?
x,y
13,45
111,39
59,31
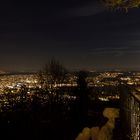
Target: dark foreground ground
x,y
40,125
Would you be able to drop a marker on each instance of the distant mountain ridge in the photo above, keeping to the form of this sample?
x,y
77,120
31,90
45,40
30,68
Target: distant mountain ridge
x,y
2,72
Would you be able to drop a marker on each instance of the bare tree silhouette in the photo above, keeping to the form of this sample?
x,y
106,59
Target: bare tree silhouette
x,y
54,74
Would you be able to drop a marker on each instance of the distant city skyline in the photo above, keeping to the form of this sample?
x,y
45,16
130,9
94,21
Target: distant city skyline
x,y
79,34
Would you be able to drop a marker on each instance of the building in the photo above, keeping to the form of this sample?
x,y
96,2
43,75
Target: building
x,y
130,113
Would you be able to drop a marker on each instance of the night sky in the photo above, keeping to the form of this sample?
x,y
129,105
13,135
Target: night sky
x,y
81,34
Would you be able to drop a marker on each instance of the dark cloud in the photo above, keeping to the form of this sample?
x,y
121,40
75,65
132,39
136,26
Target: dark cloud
x,y
88,9
73,32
